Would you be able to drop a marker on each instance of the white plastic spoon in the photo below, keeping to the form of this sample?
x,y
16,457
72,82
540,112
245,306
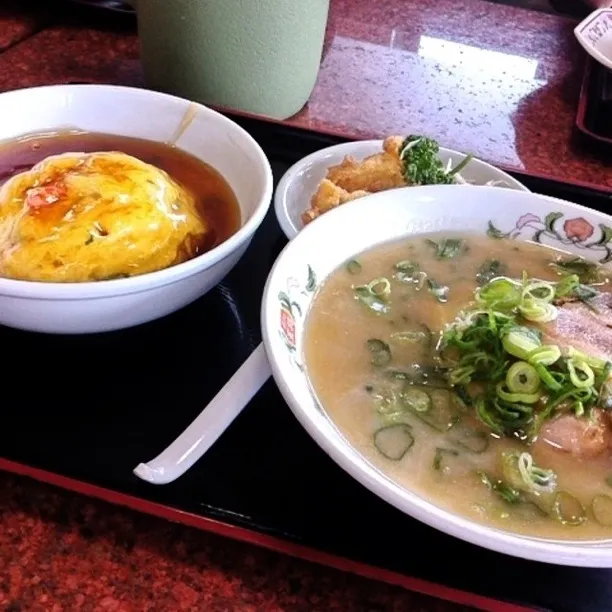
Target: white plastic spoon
x,y
205,430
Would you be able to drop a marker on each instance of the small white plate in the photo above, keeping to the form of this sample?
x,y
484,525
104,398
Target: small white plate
x,y
595,35
300,182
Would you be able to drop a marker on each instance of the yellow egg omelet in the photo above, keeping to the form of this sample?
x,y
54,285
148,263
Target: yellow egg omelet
x,y
80,217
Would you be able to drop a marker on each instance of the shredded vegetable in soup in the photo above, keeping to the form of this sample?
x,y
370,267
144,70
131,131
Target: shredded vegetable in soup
x,y
476,372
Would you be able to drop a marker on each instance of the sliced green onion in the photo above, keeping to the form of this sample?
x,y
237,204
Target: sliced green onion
x,y
538,311
537,479
595,362
411,337
587,271
380,287
546,355
440,452
547,378
578,408
522,378
435,411
371,301
447,248
397,374
407,267
461,165
409,272
394,441
487,418
461,375
502,293
516,398
417,399
540,291
520,341
353,267
380,351
601,506
567,286
567,509
580,373
507,493
440,292
490,269
522,473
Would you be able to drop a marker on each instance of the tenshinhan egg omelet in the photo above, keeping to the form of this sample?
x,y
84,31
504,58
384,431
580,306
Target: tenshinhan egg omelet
x,y
80,217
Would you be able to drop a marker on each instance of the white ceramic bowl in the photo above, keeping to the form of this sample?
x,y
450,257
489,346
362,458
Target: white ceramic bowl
x,y
300,182
303,266
594,33
102,306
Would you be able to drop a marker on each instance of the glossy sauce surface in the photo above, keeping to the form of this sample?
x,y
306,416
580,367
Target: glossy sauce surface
x,y
215,200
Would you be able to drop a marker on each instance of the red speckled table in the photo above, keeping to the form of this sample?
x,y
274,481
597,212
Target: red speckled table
x,y
498,81
60,552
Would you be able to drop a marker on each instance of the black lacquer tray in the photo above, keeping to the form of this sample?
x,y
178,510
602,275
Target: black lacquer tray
x,y
82,412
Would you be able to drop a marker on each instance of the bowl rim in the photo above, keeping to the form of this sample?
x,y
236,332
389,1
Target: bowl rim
x,y
42,290
591,49
575,553
281,194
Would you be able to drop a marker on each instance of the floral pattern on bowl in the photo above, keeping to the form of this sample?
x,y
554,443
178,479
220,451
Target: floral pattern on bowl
x,y
575,231
294,302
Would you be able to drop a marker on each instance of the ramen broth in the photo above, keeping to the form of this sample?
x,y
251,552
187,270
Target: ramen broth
x,y
363,357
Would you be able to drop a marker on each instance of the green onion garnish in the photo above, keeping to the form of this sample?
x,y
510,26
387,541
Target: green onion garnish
x,y
447,248
439,455
380,287
417,399
380,352
546,355
500,294
580,373
601,506
440,292
490,269
522,378
567,509
394,441
411,337
520,341
522,473
353,267
506,492
375,295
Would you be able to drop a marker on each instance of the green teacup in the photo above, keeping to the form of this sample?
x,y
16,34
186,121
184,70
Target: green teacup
x,y
260,56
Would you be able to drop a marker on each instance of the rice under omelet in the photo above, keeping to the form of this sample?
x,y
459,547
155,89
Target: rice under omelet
x,y
80,217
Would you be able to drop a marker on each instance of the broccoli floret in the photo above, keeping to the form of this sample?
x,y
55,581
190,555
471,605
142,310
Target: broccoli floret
x,y
422,166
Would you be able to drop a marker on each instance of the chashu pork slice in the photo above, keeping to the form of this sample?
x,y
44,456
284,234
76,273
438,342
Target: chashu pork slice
x,y
589,330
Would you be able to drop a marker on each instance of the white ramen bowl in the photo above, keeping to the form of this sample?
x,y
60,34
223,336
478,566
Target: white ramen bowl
x,y
300,182
71,308
304,265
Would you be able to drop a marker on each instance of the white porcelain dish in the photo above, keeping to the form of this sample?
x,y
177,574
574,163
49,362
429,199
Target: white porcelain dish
x,y
595,35
300,182
303,266
73,308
